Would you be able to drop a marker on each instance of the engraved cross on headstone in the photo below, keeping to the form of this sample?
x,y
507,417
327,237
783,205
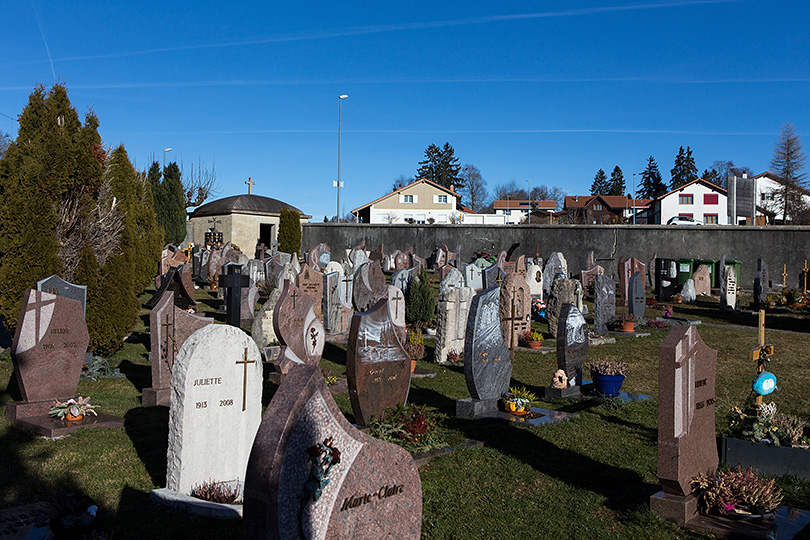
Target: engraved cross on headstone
x,y
397,299
170,346
294,295
347,280
250,183
245,362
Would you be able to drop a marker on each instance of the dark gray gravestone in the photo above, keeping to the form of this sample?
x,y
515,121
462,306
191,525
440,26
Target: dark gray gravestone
x,y
492,276
761,283
196,262
572,350
401,279
563,291
556,264
666,278
487,366
172,281
604,305
205,256
58,286
232,283
638,300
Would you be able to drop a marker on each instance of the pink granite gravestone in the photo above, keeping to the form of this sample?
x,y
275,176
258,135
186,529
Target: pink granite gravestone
x,y
310,281
298,330
703,280
515,309
373,491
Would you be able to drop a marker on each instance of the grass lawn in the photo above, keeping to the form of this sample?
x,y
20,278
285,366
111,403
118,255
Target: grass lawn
x,y
590,477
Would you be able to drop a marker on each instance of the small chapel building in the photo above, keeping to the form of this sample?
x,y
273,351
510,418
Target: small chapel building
x,y
244,220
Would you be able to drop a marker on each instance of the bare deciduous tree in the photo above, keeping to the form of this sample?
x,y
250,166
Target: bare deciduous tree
x,y
474,193
200,184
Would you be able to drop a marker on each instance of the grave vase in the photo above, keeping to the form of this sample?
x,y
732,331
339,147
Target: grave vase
x,y
628,326
534,344
607,385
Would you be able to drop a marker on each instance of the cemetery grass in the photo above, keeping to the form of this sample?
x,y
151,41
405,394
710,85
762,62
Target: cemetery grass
x,y
589,477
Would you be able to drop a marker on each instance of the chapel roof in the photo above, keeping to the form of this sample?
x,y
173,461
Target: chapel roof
x,y
244,204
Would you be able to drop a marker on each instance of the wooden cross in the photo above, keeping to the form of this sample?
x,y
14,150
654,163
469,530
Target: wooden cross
x,y
761,353
250,183
784,275
804,277
245,362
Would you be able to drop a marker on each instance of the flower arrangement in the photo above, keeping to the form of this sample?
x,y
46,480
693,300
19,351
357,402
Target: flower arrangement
x,y
217,492
539,308
605,366
764,423
414,428
626,317
72,409
415,346
328,378
739,492
455,356
533,335
517,399
667,311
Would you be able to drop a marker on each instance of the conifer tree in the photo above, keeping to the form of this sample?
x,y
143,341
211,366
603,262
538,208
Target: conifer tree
x,y
289,231
419,305
617,186
600,185
441,167
684,170
652,186
172,208
788,162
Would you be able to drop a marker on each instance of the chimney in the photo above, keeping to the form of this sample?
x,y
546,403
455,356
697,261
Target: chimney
x,y
576,198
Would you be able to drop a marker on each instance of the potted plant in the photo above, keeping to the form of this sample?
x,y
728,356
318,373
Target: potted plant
x,y
736,493
517,400
677,298
72,410
533,339
608,376
415,347
627,321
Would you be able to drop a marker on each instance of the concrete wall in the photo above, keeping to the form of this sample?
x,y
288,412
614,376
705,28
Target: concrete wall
x,y
777,245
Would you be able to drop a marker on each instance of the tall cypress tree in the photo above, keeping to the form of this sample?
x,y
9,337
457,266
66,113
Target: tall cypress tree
x,y
617,186
652,186
172,205
600,184
289,231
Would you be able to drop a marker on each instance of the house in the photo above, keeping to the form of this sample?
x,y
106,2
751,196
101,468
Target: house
x,y
421,201
770,190
603,209
698,199
517,211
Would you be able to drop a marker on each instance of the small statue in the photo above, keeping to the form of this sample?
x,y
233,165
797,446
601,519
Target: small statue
x,y
559,380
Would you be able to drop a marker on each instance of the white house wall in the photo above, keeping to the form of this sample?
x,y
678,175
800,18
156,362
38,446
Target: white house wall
x,y
670,206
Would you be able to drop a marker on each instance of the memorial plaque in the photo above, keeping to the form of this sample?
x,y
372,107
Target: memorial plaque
x,y
216,408
373,492
487,366
378,369
556,264
638,298
169,328
604,304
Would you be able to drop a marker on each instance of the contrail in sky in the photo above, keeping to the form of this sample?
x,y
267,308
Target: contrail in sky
x,y
467,132
378,29
47,49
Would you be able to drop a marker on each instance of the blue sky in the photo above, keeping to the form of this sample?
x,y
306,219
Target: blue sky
x,y
542,91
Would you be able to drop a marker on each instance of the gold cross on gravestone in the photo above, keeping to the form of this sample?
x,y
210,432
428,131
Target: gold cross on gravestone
x,y
250,183
784,275
244,379
761,353
499,279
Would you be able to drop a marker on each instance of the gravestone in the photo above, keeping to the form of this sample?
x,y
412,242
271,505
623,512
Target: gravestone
x,y
232,282
562,292
572,350
721,269
402,279
256,270
299,332
388,262
173,281
171,257
369,286
196,262
638,298
515,309
334,266
262,330
378,370
604,303
688,291
169,328
310,281
686,421
451,316
474,277
215,262
804,278
588,276
216,408
247,304
761,284
402,261
286,273
627,267
438,258
205,256
666,278
556,264
58,286
728,289
319,256
47,351
579,295
347,289
702,278
534,277
337,311
487,364
651,269
500,260
358,255
373,492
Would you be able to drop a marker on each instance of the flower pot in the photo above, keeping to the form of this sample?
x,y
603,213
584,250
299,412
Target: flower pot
x,y
73,418
607,385
534,344
628,326
677,300
413,365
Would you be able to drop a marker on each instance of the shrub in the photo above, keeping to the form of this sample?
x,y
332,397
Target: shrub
x,y
736,491
289,231
604,366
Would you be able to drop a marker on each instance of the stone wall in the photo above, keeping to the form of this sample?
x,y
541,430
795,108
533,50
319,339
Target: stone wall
x,y
776,244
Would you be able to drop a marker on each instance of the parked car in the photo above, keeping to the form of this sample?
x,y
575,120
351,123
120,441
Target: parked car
x,y
683,220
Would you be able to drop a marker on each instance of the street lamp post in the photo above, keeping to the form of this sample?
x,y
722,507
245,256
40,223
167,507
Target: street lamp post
x,y
339,184
530,201
164,156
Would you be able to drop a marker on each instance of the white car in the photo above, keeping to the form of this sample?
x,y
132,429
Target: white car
x,y
683,220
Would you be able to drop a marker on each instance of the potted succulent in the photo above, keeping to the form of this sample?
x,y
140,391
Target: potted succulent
x,y
517,400
627,322
739,493
608,376
72,410
533,339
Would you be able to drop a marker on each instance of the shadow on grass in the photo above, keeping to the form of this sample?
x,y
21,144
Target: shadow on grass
x,y
139,375
148,429
334,354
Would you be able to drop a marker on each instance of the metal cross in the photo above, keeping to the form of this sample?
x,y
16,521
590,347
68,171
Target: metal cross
x,y
347,280
761,353
250,183
214,221
804,275
784,275
499,279
245,362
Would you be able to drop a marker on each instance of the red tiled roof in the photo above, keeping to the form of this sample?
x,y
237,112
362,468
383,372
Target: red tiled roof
x,y
525,204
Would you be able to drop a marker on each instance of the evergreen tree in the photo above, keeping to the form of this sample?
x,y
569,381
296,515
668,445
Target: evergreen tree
x,y
652,186
172,207
289,231
788,162
441,167
711,176
419,305
600,185
617,186
684,170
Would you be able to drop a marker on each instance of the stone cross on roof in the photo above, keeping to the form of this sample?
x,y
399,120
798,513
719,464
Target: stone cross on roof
x,y
250,183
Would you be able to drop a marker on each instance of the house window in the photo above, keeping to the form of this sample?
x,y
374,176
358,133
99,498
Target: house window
x,y
684,214
597,206
407,217
710,198
407,199
420,218
710,219
686,199
767,196
441,199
